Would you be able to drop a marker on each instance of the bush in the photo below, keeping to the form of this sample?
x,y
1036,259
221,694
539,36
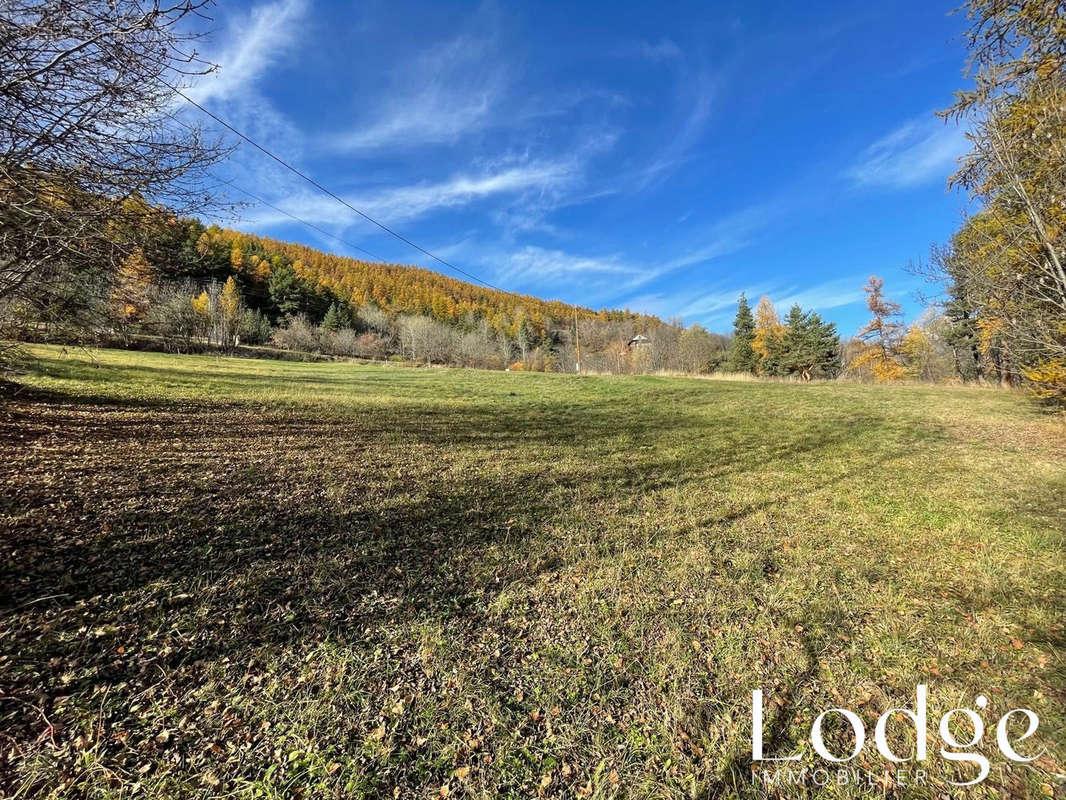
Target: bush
x,y
172,316
1048,380
297,334
477,349
254,327
370,345
341,342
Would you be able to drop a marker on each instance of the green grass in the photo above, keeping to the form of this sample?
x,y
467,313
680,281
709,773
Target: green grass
x,y
244,578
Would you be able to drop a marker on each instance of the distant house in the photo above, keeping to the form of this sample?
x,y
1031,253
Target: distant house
x,y
638,342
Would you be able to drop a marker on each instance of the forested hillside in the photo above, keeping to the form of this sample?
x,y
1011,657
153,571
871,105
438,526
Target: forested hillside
x,y
292,278
184,286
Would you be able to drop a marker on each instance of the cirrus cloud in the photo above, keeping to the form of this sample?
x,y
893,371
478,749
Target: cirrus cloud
x,y
915,153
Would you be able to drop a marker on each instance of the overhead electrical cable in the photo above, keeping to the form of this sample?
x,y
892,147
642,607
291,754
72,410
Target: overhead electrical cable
x,y
336,197
302,221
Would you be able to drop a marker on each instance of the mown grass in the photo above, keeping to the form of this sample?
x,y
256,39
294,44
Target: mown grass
x,y
260,579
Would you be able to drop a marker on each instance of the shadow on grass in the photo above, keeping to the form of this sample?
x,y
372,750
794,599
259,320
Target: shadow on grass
x,y
195,533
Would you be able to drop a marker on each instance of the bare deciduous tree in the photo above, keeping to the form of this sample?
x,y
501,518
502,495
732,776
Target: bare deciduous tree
x,y
89,135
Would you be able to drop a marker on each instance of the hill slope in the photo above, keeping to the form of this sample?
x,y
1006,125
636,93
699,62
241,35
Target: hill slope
x,y
283,278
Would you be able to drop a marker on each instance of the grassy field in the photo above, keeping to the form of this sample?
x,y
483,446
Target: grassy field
x,y
226,577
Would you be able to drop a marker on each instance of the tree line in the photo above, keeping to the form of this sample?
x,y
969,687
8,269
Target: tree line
x,y
998,312
185,287
803,345
1001,277
99,190
884,349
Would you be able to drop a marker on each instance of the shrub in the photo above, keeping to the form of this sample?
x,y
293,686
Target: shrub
x,y
297,334
1048,380
344,342
254,327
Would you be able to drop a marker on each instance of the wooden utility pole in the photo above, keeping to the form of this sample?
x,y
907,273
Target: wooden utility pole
x,y
577,342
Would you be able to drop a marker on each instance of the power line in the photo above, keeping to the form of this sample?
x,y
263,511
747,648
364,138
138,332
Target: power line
x,y
291,216
336,197
304,222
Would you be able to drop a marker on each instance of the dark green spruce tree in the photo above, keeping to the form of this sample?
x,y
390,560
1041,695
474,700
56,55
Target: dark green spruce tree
x,y
286,294
742,357
334,319
810,347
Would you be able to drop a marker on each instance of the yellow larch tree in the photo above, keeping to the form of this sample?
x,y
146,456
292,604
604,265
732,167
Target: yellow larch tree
x,y
768,331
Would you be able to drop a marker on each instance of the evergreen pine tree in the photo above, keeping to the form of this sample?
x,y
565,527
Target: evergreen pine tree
x,y
254,327
334,320
742,358
824,340
963,336
810,347
285,291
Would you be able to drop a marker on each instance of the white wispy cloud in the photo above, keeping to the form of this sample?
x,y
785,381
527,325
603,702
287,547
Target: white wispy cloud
x,y
255,42
533,265
711,305
615,276
249,45
407,202
725,236
404,203
449,93
666,49
916,152
441,95
722,245
716,305
696,93
823,296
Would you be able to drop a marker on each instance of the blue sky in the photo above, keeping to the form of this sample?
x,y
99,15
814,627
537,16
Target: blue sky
x,y
660,156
